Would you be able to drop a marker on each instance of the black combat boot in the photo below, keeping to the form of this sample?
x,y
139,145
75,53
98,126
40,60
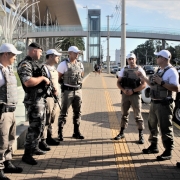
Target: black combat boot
x,y
11,168
43,146
37,151
60,130
141,138
77,134
178,164
27,157
151,149
166,155
2,175
120,135
52,142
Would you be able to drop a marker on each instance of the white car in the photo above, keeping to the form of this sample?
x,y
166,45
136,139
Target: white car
x,y
144,98
117,72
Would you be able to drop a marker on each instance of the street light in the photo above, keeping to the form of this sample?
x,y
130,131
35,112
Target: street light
x,y
108,58
87,41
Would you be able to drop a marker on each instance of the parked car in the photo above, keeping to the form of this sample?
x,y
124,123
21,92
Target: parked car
x,y
143,97
114,69
117,72
149,69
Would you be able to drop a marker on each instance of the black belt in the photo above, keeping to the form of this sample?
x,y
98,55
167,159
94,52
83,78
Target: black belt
x,y
6,108
71,88
156,101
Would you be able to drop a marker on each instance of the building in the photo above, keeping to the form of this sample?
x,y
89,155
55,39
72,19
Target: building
x,y
117,56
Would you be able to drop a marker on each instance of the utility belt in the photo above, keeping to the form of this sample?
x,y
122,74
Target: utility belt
x,y
69,88
6,108
165,101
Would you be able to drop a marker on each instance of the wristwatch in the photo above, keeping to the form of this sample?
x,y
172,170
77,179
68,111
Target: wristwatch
x,y
162,83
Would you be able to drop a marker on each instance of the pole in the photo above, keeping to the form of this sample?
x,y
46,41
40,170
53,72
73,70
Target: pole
x,y
123,35
108,62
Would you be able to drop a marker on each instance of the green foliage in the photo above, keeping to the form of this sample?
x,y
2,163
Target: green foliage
x,y
18,80
65,42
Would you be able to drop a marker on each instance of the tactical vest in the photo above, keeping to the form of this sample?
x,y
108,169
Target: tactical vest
x,y
73,75
8,92
54,76
157,91
40,90
130,80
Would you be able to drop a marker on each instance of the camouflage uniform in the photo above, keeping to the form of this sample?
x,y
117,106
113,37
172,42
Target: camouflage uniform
x,y
34,102
52,110
8,101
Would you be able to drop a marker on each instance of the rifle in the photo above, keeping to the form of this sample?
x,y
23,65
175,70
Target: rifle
x,y
50,87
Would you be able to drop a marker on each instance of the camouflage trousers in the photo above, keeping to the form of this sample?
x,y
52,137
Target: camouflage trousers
x,y
7,136
73,98
135,101
36,114
52,114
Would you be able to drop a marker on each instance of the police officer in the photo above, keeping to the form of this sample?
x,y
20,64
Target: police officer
x,y
8,101
71,72
131,85
34,86
162,83
53,109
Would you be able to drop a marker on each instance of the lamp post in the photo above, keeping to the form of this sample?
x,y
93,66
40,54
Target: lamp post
x,y
87,41
123,35
108,58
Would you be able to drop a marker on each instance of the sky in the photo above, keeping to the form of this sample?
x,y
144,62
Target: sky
x,y
144,14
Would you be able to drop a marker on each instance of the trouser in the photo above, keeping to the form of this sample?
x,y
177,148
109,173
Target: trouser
x,y
36,114
7,136
68,98
52,114
160,117
134,101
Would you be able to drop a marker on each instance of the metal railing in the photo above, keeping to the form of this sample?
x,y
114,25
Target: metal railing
x,y
140,29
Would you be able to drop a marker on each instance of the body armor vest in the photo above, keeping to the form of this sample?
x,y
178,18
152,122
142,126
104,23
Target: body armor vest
x,y
130,80
8,92
73,75
32,93
54,76
157,91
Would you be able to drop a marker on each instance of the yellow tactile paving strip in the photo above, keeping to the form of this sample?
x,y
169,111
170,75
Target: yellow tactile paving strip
x,y
125,165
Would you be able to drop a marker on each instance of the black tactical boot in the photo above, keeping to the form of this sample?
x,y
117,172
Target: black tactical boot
x,y
120,135
151,149
52,142
60,134
11,168
141,138
166,155
43,146
77,134
37,151
27,157
2,175
178,164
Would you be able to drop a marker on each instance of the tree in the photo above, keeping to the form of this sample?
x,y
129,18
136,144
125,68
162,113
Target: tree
x,y
65,42
145,52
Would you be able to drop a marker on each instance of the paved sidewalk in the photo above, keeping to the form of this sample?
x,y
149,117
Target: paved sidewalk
x,y
98,157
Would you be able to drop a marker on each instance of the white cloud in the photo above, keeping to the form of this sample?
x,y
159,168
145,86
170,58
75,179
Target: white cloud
x,y
167,8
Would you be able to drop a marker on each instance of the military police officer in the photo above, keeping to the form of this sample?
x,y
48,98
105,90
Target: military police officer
x,y
35,93
53,109
71,72
8,101
162,83
131,85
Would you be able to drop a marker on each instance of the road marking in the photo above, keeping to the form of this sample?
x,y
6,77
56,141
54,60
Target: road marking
x,y
126,169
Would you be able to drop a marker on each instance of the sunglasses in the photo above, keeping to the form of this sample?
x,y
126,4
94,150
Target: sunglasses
x,y
131,59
